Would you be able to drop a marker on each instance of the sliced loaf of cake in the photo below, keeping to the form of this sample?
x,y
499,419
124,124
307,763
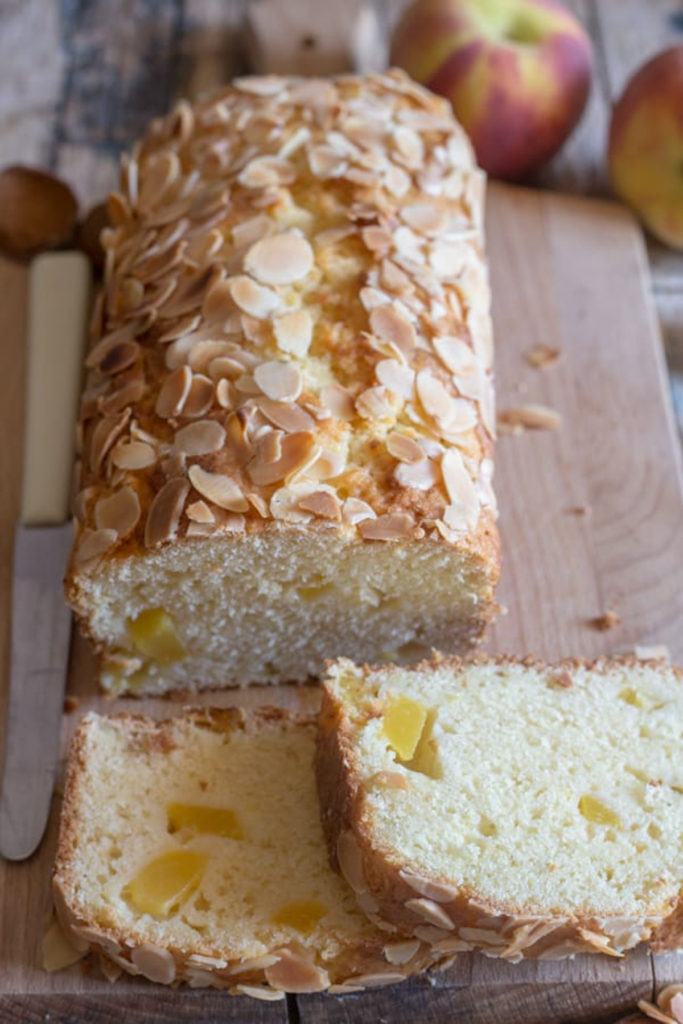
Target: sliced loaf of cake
x,y
523,809
191,850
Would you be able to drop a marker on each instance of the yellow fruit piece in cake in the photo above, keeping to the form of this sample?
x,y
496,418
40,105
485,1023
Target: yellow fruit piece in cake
x,y
302,915
402,724
155,635
165,882
595,811
215,821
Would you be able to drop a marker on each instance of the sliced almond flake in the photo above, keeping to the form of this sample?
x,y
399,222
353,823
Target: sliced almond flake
x,y
396,377
404,448
269,445
199,512
326,465
456,355
118,209
324,504
160,264
408,244
447,260
119,511
296,140
333,236
409,144
394,279
199,398
203,353
459,485
326,163
246,385
110,341
202,247
296,450
165,511
133,455
654,1013
294,331
529,417
103,437
395,526
367,179
355,511
128,393
127,296
189,293
313,92
435,399
425,218
200,438
372,298
223,396
173,393
421,476
225,366
394,328
261,85
93,544
338,400
286,415
218,303
159,179
397,181
219,489
652,652
374,403
284,504
279,259
253,298
266,172
249,231
542,356
376,239
185,325
279,380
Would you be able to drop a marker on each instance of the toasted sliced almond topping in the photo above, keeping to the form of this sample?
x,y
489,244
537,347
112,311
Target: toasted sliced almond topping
x,y
104,435
279,380
223,396
440,892
294,974
160,176
391,326
326,162
199,398
218,303
323,504
394,279
279,259
458,482
286,415
410,145
120,511
128,393
104,346
446,411
165,511
263,992
294,331
430,912
266,172
355,511
249,231
374,404
420,475
219,489
338,400
404,448
398,378
93,544
199,512
528,417
199,438
133,455
253,298
378,979
456,355
350,860
376,239
396,526
295,451
173,393
427,218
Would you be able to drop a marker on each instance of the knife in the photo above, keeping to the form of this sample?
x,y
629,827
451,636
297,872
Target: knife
x,y
59,290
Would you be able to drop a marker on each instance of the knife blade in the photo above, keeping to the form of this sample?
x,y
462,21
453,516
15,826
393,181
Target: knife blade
x,y
59,289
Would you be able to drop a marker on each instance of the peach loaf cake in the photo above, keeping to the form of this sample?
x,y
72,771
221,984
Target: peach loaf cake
x,y
191,850
522,809
288,415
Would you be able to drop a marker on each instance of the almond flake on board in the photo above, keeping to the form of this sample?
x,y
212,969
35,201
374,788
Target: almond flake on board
x,y
542,356
528,417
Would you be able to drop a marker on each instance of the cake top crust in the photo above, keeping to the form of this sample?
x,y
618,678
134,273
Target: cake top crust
x,y
294,323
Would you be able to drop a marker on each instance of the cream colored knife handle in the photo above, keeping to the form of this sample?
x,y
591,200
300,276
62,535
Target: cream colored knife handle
x,y
59,289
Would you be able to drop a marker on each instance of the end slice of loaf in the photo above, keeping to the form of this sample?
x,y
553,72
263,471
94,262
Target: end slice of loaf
x,y
523,809
244,898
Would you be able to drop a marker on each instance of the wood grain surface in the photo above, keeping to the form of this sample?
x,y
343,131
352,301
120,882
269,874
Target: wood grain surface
x,y
568,273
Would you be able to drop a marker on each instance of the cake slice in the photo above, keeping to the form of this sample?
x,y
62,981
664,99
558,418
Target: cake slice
x,y
191,850
523,809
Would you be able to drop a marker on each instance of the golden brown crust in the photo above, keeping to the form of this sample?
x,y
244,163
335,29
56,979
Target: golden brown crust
x,y
293,328
431,908
373,959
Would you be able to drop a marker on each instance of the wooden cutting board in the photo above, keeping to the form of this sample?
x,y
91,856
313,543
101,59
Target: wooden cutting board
x,y
592,520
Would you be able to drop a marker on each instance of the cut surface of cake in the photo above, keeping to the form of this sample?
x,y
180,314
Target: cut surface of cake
x,y
514,807
191,850
287,423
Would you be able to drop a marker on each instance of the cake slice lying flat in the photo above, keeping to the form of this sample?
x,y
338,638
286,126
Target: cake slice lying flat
x,y
191,850
521,809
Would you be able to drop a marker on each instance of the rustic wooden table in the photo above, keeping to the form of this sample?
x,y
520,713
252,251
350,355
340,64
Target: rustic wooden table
x,y
80,79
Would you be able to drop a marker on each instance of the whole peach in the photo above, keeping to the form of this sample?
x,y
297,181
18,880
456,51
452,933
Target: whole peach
x,y
517,72
646,145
